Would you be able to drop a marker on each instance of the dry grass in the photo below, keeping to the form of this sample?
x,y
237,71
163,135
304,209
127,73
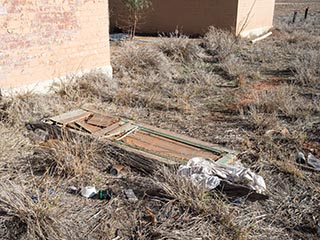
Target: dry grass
x,y
25,107
23,218
69,157
14,146
179,85
307,69
180,49
134,61
284,102
225,50
197,212
220,43
91,87
189,195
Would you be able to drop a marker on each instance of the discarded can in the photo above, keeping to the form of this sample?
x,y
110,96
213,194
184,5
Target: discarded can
x,y
130,195
116,169
103,195
34,198
88,192
300,158
73,190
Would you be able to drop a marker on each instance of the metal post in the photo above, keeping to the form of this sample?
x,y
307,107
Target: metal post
x,y
294,16
306,13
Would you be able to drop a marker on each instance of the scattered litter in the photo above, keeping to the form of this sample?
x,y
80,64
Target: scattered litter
x,y
88,192
261,38
118,36
69,158
313,162
103,195
73,190
238,201
210,175
34,198
300,158
201,176
116,169
91,192
130,195
51,191
236,173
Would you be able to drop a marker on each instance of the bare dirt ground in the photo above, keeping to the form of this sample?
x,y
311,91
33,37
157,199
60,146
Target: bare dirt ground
x,y
262,99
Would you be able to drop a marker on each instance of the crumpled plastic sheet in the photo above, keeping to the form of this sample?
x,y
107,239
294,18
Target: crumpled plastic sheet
x,y
209,174
313,162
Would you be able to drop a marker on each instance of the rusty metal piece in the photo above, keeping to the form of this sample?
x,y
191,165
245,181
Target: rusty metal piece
x,y
116,169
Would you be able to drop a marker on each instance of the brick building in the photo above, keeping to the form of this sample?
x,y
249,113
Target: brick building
x,y
44,40
193,17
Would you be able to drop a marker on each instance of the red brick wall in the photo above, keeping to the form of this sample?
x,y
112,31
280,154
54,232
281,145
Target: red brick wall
x,y
45,39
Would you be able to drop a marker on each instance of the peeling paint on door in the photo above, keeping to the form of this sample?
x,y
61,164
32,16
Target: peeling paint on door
x,y
145,140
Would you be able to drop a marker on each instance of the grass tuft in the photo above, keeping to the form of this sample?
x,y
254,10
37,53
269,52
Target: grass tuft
x,y
25,218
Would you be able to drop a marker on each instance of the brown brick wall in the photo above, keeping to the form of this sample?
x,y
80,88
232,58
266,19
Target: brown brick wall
x,y
194,17
45,39
189,16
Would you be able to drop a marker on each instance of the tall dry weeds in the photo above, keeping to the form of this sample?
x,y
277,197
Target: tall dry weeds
x,y
307,69
220,43
135,61
180,49
285,102
18,109
66,158
13,147
88,88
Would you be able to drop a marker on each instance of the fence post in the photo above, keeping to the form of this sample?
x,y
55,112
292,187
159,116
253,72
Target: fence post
x,y
294,16
306,13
